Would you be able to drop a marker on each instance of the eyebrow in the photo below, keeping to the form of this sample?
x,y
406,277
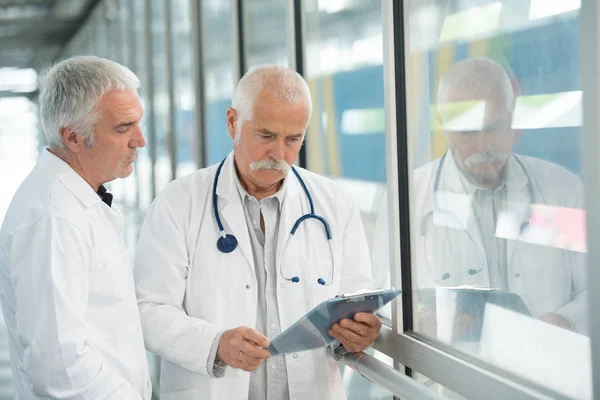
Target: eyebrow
x,y
268,132
124,124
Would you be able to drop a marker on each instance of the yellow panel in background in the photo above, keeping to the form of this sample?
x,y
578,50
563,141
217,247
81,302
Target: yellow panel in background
x,y
314,153
416,92
335,167
480,48
445,58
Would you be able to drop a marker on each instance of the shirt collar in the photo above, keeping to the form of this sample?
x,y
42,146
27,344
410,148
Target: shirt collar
x,y
58,168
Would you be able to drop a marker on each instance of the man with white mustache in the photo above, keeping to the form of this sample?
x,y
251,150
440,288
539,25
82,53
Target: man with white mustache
x,y
212,297
460,198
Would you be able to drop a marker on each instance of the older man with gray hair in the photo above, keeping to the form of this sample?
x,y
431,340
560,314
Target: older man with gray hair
x,y
219,275
66,285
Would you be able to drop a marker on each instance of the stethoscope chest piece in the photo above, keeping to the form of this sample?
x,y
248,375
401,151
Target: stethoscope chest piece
x,y
227,243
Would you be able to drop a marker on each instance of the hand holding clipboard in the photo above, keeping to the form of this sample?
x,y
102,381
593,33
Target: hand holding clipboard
x,y
312,331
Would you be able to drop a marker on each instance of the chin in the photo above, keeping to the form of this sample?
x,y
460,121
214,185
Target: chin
x,y
123,172
269,176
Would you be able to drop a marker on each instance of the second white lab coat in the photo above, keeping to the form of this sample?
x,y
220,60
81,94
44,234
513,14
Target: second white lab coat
x,y
67,292
188,291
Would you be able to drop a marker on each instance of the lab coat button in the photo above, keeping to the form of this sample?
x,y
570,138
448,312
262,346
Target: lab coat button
x,y
282,285
295,355
247,286
274,366
517,275
273,326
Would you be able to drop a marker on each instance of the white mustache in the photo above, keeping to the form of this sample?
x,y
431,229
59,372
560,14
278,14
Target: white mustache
x,y
490,156
269,163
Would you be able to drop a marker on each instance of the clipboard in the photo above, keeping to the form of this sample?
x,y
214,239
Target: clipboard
x,y
311,331
472,301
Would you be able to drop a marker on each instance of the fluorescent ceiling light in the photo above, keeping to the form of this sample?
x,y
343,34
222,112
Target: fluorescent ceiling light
x,y
332,6
546,8
472,23
18,80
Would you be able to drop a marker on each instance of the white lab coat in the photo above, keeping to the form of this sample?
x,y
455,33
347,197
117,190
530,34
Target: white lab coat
x,y
67,292
548,279
188,291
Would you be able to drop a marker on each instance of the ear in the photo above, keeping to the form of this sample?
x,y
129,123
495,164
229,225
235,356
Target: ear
x,y
72,140
516,135
231,122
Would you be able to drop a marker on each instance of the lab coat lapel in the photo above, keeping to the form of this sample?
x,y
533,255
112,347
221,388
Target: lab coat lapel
x,y
232,211
455,198
518,202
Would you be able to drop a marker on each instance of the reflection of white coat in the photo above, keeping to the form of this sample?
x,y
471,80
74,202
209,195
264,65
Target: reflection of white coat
x,y
188,291
548,279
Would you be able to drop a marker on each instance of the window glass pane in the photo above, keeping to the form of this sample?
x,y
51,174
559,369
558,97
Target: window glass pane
x,y
100,31
498,223
114,36
218,76
143,164
344,70
267,32
162,166
184,87
18,155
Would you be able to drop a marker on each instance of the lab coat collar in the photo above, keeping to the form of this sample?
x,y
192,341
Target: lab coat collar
x,y
56,167
227,188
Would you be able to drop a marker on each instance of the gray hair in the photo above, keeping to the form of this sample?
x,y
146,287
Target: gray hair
x,y
282,83
70,91
476,79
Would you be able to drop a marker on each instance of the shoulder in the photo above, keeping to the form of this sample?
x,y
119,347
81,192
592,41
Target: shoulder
x,y
183,191
40,197
324,187
550,180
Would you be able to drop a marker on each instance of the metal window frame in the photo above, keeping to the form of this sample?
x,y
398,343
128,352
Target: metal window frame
x,y
150,92
590,57
198,79
297,31
170,78
238,35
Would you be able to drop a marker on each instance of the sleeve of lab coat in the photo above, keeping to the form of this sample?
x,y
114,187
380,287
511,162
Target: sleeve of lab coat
x,y
161,266
52,267
356,264
577,309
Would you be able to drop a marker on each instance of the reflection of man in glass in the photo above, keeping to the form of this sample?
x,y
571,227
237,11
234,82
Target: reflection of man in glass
x,y
474,207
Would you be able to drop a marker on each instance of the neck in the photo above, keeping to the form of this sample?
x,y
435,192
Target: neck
x,y
254,190
74,163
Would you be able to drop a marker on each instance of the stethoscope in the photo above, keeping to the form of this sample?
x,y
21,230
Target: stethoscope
x,y
227,242
482,255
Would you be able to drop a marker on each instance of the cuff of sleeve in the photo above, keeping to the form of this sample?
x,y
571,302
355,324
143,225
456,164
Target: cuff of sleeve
x,y
216,369
338,351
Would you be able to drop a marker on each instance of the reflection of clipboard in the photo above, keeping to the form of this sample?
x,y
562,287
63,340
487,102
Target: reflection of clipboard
x,y
311,331
472,301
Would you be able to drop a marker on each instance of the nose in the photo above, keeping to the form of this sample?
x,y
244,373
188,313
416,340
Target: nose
x,y
139,140
278,150
482,142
